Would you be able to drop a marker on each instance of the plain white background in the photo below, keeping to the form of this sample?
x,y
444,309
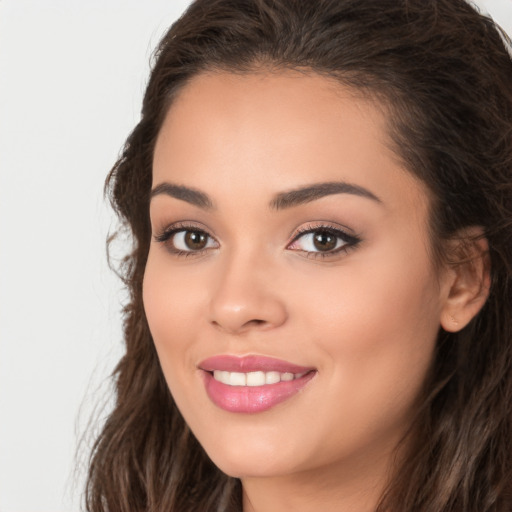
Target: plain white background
x,y
72,74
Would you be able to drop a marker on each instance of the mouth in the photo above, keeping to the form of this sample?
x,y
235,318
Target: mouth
x,y
252,384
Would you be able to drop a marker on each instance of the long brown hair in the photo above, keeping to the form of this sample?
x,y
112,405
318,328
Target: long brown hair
x,y
444,75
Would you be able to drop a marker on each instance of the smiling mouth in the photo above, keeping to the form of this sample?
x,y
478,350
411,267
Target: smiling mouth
x,y
252,384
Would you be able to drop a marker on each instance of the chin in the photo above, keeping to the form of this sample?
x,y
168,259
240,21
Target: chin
x,y
251,468
241,459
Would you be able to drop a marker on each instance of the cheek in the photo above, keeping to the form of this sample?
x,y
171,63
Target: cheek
x,y
377,324
171,294
172,303
385,295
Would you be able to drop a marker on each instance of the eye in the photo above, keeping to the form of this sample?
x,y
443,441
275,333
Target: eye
x,y
323,241
186,240
181,239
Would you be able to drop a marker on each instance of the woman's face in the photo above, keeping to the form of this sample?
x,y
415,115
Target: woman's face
x,y
288,289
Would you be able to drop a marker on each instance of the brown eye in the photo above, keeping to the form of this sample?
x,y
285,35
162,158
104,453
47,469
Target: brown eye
x,y
324,241
195,240
187,240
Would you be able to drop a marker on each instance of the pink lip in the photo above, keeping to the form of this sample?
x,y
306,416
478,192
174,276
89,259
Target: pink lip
x,y
251,399
229,363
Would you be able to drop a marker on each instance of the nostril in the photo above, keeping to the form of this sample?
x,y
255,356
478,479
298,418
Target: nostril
x,y
255,322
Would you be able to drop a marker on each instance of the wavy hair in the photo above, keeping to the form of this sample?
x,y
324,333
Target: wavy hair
x,y
443,73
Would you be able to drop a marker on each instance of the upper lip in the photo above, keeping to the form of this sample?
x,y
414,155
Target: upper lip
x,y
251,363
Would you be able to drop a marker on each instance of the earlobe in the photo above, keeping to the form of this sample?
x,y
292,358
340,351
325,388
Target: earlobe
x,y
470,278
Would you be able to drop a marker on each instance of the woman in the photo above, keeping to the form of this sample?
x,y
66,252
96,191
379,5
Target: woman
x,y
320,200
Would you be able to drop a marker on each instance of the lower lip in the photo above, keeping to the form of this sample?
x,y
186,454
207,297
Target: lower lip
x,y
252,399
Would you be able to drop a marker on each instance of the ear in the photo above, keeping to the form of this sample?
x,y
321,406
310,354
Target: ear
x,y
469,279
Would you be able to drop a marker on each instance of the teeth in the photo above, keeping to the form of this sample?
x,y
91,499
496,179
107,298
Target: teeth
x,y
237,379
272,377
254,378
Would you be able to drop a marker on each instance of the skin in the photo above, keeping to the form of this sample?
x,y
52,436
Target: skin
x,y
366,318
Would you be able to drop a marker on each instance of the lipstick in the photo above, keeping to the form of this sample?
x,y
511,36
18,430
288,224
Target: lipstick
x,y
252,384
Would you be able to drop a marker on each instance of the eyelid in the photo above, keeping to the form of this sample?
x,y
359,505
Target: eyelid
x,y
346,234
181,225
312,226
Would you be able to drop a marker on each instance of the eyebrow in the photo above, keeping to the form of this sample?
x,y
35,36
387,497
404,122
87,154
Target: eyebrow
x,y
281,201
310,193
190,195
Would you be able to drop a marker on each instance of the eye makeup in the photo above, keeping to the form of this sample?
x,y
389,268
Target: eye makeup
x,y
318,241
323,241
186,239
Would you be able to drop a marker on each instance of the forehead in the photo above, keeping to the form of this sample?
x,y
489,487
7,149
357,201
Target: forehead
x,y
271,131
255,107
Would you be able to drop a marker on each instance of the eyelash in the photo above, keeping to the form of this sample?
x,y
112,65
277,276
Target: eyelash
x,y
168,233
350,241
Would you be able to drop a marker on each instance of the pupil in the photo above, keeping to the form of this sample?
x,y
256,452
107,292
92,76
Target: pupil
x,y
324,241
195,240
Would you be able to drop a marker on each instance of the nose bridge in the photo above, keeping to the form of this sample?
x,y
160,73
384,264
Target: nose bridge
x,y
244,296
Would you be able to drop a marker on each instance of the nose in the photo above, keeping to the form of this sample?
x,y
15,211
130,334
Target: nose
x,y
245,297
